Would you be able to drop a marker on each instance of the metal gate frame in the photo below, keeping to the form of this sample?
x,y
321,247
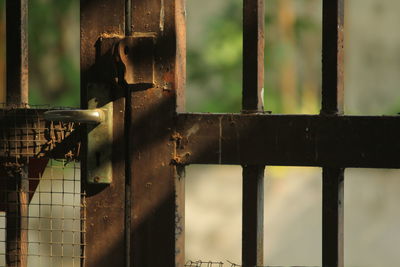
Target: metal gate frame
x,y
161,139
138,219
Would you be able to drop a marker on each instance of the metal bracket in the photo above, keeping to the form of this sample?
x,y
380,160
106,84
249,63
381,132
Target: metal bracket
x,y
135,60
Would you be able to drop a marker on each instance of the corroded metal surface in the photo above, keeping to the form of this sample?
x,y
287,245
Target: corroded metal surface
x,y
102,20
135,55
157,185
17,52
289,140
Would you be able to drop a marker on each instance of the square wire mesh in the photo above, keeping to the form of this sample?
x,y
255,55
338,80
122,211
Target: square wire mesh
x,y
200,263
24,133
42,219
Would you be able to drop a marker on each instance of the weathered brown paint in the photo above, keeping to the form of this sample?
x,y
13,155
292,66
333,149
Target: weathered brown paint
x,y
289,140
17,216
17,52
157,235
136,55
17,96
162,142
252,102
105,225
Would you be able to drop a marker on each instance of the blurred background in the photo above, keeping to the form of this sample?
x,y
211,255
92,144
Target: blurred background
x,y
292,85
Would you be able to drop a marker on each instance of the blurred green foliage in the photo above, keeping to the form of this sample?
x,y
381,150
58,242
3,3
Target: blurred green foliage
x,y
54,76
292,56
54,52
214,68
215,65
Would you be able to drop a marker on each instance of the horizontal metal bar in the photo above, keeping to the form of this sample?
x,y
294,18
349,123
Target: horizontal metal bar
x,y
288,140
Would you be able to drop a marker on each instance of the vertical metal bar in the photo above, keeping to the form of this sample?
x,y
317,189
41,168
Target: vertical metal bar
x,y
105,221
17,217
17,95
253,55
332,57
252,102
157,183
17,51
127,121
253,216
332,104
332,217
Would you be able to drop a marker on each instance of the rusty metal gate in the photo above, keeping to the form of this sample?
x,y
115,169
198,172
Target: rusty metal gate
x,y
134,139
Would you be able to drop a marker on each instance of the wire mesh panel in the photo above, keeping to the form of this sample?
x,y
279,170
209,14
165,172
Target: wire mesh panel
x,y
200,263
204,264
25,134
50,226
42,207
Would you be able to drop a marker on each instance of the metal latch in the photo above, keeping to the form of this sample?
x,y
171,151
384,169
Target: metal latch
x,y
134,60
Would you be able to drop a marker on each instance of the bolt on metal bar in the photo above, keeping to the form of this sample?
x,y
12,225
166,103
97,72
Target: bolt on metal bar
x,y
252,102
332,104
17,51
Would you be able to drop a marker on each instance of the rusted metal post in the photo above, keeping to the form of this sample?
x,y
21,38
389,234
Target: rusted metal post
x,y
252,102
332,105
17,52
17,96
157,181
105,204
17,216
